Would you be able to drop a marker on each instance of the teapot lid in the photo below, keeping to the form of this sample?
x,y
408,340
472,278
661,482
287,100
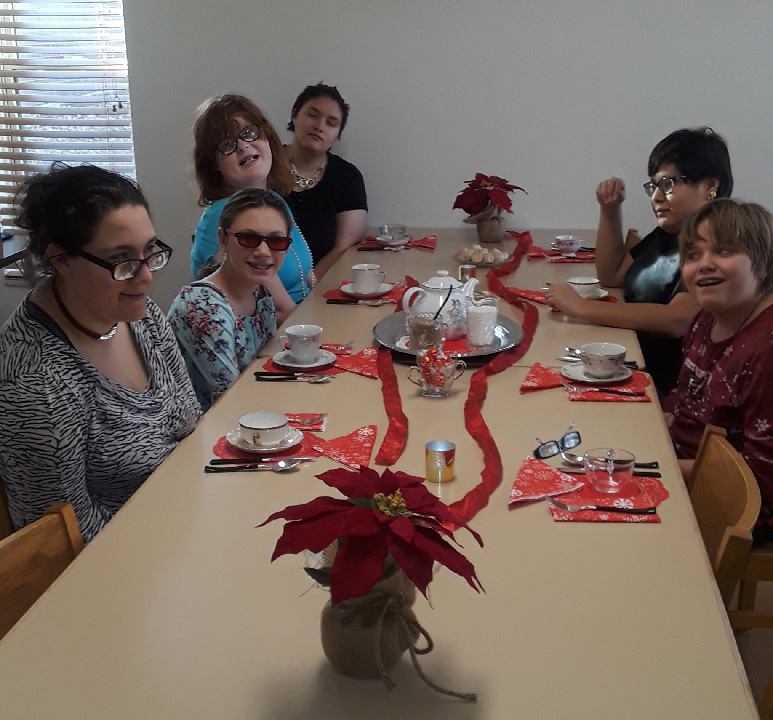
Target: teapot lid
x,y
442,280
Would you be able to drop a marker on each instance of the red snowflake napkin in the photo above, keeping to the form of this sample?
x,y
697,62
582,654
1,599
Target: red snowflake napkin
x,y
353,450
362,363
536,480
643,492
426,243
581,256
320,425
636,383
541,378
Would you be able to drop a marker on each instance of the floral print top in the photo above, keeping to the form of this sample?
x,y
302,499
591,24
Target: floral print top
x,y
217,344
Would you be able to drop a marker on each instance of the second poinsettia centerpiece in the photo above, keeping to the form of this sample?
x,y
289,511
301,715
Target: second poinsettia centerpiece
x,y
484,199
384,537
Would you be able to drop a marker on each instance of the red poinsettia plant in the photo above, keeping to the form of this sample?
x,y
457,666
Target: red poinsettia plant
x,y
385,520
486,191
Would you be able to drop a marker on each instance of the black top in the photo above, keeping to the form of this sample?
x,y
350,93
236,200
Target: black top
x,y
340,189
654,277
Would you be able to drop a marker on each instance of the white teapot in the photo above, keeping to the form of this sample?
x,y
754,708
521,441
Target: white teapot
x,y
444,294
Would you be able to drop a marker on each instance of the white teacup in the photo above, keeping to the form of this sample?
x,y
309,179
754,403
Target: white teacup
x,y
304,342
586,287
367,278
568,244
602,360
263,429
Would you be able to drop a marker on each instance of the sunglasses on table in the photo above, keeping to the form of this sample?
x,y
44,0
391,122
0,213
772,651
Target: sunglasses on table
x,y
252,240
248,134
570,439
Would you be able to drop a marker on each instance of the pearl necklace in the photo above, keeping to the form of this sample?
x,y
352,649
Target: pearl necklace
x,y
305,288
306,183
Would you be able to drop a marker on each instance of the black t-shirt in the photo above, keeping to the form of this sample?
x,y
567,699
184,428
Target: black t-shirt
x,y
341,188
654,277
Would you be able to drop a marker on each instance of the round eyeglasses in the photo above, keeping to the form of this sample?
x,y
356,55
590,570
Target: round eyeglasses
x,y
127,269
665,185
248,134
251,240
570,439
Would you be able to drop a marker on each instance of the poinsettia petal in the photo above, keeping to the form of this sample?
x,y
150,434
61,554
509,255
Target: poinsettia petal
x,y
403,528
317,533
417,565
358,566
362,483
429,542
318,506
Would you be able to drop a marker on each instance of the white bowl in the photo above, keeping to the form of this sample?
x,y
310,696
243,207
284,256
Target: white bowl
x,y
586,287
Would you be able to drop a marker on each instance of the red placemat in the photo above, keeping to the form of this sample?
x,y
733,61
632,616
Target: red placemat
x,y
425,243
536,480
643,492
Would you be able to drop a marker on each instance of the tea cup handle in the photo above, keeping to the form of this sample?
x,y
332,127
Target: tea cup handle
x,y
283,341
415,380
461,366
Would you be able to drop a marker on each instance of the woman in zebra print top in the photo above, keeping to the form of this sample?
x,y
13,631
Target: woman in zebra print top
x,y
93,389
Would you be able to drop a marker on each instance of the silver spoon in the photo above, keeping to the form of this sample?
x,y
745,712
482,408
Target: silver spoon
x,y
278,467
578,460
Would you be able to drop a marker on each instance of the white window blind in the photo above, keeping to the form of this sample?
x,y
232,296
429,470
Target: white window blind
x,y
64,90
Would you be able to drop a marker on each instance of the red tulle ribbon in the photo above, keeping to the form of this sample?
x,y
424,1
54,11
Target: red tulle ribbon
x,y
491,476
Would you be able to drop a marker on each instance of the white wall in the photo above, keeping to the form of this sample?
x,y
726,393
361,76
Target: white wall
x,y
552,95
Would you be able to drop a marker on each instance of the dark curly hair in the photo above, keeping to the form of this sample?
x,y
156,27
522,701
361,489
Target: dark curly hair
x,y
66,205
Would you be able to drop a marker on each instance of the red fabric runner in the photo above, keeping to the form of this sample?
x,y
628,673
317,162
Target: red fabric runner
x,y
491,476
393,444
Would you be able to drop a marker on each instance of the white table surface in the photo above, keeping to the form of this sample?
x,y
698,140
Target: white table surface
x,y
174,610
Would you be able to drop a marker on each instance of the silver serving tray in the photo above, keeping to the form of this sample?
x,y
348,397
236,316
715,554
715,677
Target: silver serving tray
x,y
392,328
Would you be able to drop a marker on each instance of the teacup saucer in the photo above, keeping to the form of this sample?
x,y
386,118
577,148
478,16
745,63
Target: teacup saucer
x,y
394,242
383,289
293,437
576,372
285,359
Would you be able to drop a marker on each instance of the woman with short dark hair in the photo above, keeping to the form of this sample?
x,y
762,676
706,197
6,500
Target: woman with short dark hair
x,y
93,388
687,169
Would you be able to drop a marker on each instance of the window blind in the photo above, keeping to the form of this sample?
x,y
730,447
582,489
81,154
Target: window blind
x,y
64,90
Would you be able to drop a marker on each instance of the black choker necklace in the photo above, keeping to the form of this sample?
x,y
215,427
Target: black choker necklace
x,y
96,336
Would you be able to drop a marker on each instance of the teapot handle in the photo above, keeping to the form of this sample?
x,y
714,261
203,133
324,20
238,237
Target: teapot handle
x,y
407,295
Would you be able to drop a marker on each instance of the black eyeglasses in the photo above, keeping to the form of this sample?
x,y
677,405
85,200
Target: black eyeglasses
x,y
248,134
571,439
665,185
252,240
127,269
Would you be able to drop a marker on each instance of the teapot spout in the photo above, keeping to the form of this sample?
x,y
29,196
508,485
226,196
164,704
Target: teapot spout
x,y
469,287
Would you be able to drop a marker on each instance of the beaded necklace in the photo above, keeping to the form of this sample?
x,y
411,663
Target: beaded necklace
x,y
305,288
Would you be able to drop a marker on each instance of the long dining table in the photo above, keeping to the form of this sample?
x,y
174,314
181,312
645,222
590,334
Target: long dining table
x,y
175,610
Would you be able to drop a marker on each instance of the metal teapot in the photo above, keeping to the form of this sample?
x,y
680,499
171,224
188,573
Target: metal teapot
x,y
445,297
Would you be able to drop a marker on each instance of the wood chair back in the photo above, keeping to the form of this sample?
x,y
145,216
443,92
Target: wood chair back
x,y
33,557
632,238
726,500
766,704
759,568
6,524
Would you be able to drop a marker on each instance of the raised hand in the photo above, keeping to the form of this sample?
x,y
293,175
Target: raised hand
x,y
610,193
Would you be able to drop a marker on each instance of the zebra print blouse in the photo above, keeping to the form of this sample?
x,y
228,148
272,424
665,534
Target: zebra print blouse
x,y
69,434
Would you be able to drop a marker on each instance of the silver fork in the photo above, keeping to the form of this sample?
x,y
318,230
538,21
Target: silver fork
x,y
602,508
630,393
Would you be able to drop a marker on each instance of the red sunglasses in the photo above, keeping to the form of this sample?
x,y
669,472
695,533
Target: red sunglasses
x,y
252,240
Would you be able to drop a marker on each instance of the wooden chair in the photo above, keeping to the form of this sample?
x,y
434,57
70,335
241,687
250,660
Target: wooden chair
x,y
726,501
766,704
6,524
632,238
758,569
32,558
